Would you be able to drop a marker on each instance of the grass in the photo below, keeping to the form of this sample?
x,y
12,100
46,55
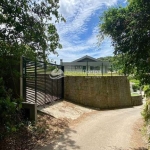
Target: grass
x,y
135,94
135,81
73,73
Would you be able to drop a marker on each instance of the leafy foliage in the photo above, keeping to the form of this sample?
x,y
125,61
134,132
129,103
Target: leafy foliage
x,y
146,89
118,63
129,30
135,87
9,112
146,116
146,113
107,58
27,28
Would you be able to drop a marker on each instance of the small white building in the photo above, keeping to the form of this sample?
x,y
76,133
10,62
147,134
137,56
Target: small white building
x,y
87,63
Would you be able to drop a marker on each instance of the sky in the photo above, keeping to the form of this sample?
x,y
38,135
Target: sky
x,y
78,35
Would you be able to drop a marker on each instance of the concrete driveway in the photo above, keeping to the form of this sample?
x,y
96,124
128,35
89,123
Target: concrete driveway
x,y
65,110
117,129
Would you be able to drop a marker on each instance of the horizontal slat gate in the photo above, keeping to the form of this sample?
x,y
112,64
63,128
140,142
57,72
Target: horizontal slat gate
x,y
38,87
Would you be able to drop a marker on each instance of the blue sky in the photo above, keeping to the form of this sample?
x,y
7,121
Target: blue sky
x,y
78,34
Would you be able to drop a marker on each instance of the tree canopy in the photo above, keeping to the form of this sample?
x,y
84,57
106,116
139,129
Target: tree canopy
x,y
106,58
129,29
27,27
117,63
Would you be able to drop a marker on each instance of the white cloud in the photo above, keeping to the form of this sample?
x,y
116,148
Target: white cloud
x,y
73,34
79,12
71,53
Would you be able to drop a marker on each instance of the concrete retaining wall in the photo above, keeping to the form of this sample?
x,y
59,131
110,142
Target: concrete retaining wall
x,y
98,92
137,100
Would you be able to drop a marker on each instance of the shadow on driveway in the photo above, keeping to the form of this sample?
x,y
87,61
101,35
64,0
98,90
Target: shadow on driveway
x,y
63,142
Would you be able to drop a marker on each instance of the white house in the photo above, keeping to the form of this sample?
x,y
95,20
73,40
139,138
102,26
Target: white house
x,y
87,63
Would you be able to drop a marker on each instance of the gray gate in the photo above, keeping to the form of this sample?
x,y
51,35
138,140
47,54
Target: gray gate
x,y
38,87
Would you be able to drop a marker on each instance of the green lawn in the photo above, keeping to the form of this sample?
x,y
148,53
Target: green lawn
x,y
135,81
72,73
135,94
69,73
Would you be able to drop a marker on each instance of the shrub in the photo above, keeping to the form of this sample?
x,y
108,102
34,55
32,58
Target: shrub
x,y
146,89
9,112
146,115
135,87
146,112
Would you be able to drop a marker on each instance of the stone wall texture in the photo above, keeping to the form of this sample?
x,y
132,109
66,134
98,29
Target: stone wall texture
x,y
99,92
137,100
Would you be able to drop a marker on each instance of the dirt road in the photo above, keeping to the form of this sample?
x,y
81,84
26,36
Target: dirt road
x,y
103,130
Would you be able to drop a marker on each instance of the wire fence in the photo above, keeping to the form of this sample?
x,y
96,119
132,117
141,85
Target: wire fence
x,y
91,71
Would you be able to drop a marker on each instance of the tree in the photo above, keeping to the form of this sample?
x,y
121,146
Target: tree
x,y
129,29
107,58
27,28
118,63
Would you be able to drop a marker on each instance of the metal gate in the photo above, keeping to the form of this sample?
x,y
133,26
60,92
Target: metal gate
x,y
38,87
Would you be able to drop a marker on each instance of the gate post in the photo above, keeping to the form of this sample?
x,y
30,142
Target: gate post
x,y
102,68
45,89
62,68
35,80
23,83
21,77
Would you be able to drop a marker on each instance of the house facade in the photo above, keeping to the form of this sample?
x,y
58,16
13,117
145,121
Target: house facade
x,y
85,64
